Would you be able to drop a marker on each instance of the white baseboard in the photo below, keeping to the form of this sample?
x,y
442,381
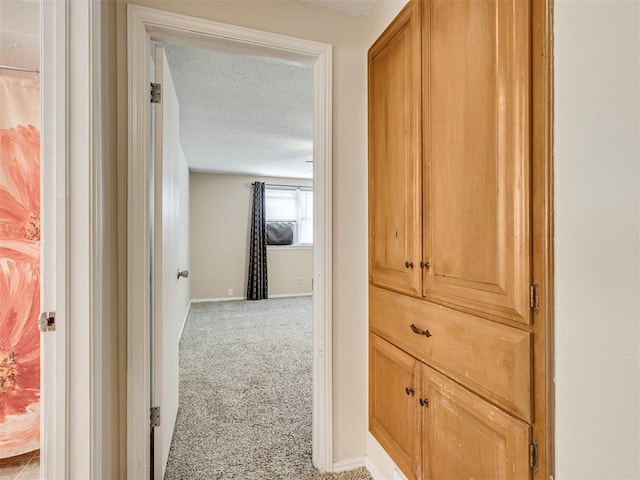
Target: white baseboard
x,y
373,470
221,299
351,464
228,299
379,463
284,295
184,321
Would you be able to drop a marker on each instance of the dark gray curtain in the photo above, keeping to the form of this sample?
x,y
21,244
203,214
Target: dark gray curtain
x,y
257,279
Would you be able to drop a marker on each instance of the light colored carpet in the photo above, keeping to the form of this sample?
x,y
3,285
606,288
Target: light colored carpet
x,y
245,394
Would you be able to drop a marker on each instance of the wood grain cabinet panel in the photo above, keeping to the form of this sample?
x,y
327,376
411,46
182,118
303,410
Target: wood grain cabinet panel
x,y
477,163
394,390
433,428
466,437
491,359
395,224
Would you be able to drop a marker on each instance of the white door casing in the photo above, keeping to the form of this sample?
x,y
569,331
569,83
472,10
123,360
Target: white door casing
x,y
53,359
144,25
72,206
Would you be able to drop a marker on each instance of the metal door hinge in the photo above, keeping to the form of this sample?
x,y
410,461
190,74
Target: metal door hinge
x,y
156,92
155,416
47,322
533,456
534,297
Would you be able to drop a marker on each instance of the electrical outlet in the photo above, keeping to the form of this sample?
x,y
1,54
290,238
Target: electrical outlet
x,y
300,280
230,292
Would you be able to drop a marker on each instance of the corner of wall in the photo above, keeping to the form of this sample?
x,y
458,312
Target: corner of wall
x,y
379,463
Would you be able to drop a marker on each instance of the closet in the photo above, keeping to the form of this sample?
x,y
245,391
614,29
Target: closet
x,y
452,297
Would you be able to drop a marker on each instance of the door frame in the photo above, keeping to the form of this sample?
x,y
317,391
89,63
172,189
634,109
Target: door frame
x,y
54,440
72,204
542,218
146,24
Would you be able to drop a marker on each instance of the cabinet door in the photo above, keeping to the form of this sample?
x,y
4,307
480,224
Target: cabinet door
x,y
466,437
477,155
394,390
395,224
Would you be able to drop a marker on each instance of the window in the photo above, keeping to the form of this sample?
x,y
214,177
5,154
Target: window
x,y
294,206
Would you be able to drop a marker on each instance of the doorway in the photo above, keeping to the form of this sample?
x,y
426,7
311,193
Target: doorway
x,y
225,124
144,26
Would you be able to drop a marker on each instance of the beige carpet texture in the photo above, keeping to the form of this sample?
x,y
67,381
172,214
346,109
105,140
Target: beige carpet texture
x,y
245,394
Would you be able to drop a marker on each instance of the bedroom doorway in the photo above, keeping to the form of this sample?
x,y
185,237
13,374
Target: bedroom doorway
x,y
147,25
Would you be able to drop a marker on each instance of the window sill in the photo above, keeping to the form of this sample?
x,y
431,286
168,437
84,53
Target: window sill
x,y
289,247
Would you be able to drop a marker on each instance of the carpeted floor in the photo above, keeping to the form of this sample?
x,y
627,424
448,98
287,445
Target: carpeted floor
x,y
245,394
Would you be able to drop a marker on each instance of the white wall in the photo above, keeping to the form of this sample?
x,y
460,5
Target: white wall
x,y
345,33
19,35
379,18
18,16
286,266
219,235
175,255
597,222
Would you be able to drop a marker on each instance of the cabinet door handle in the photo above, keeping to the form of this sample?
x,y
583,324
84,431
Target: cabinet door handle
x,y
419,331
424,264
409,390
424,402
408,264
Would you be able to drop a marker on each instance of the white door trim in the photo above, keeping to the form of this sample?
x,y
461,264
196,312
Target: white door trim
x,y
53,164
72,206
144,24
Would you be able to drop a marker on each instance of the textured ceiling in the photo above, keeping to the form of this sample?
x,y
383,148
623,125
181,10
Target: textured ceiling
x,y
353,7
243,114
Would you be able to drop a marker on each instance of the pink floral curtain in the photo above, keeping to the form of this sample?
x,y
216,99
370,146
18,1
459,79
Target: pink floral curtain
x,y
19,266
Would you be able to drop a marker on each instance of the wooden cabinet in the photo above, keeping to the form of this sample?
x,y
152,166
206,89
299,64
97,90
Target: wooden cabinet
x,y
452,108
449,156
436,429
395,131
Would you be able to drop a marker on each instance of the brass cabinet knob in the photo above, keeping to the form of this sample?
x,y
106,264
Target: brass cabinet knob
x,y
408,264
409,390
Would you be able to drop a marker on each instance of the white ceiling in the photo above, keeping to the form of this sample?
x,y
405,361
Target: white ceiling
x,y
243,114
19,49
